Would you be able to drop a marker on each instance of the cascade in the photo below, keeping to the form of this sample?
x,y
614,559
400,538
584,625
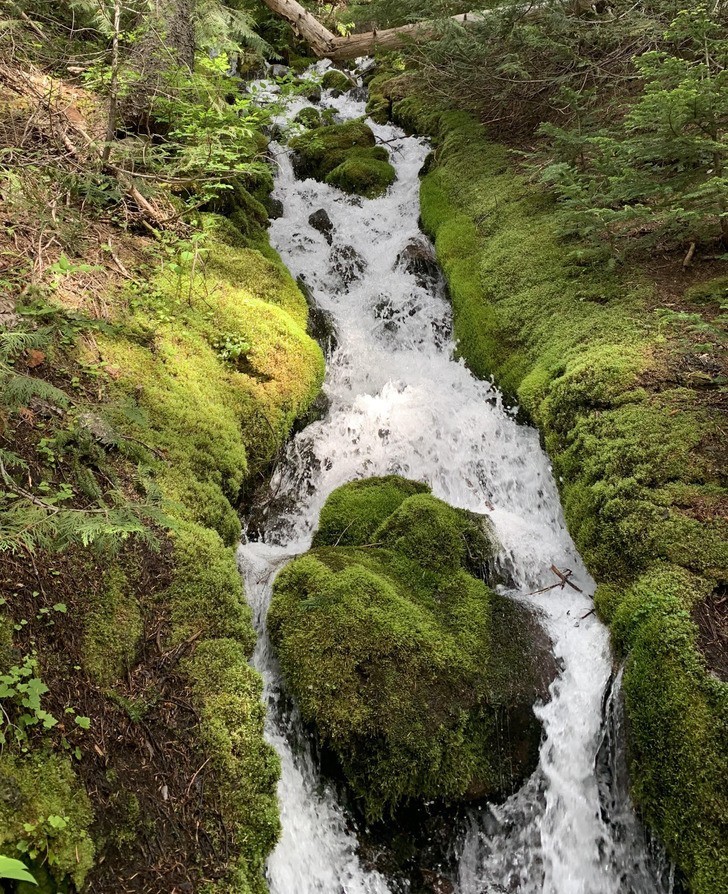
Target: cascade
x,y
400,403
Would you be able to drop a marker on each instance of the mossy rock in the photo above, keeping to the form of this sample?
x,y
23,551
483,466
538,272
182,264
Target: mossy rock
x,y
344,155
367,174
406,664
337,82
321,150
308,117
379,109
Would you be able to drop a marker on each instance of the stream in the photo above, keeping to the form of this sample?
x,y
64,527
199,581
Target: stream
x,y
401,404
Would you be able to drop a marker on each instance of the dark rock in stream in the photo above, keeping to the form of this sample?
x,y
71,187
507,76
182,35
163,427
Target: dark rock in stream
x,y
418,259
347,263
274,208
320,326
321,221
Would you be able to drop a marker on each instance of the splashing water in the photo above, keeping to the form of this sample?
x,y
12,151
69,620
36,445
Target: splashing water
x,y
400,404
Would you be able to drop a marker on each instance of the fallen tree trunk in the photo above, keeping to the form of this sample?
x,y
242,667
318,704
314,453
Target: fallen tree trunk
x,y
328,45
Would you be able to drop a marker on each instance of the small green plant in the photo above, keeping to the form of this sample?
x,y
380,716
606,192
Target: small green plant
x,y
21,691
15,870
231,348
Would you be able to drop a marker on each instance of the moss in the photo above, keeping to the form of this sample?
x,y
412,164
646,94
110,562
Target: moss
x,y
219,370
679,721
367,174
353,513
337,82
387,644
45,815
378,109
113,629
344,155
583,353
232,715
318,152
206,595
6,643
217,422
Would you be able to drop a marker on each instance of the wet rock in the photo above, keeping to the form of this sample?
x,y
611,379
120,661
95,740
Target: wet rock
x,y
428,164
418,259
278,71
320,325
274,207
359,94
312,92
347,263
321,221
436,882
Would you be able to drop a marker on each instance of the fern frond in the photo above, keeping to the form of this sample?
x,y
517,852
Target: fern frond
x,y
220,28
11,460
17,390
25,526
13,342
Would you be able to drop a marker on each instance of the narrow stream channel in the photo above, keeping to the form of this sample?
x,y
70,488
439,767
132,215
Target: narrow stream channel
x,y
400,403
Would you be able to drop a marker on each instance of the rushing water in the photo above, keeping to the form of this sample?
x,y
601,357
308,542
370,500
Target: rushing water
x,y
400,403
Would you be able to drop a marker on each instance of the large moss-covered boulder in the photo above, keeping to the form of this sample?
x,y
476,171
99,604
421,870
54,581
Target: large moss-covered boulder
x,y
418,679
344,155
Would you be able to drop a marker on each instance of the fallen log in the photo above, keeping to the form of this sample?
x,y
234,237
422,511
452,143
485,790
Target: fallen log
x,y
327,45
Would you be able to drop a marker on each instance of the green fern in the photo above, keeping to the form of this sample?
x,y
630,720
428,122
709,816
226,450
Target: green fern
x,y
18,389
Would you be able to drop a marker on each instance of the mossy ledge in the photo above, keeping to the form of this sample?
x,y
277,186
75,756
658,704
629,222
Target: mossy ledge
x,y
406,664
635,448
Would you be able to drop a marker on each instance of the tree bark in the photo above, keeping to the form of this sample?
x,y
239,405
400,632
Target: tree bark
x,y
328,45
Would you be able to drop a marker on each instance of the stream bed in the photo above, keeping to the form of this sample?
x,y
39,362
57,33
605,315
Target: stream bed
x,y
399,403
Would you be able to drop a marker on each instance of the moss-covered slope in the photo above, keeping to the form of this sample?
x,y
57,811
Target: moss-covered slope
x,y
408,665
635,447
205,368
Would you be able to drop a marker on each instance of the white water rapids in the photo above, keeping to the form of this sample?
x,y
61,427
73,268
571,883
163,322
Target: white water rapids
x,y
400,403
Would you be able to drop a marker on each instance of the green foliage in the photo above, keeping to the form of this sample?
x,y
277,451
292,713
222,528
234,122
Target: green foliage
x,y
15,870
663,166
45,814
632,104
388,645
21,691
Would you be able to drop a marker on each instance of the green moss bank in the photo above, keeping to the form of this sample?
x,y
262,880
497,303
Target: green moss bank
x,y
634,447
207,366
408,665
